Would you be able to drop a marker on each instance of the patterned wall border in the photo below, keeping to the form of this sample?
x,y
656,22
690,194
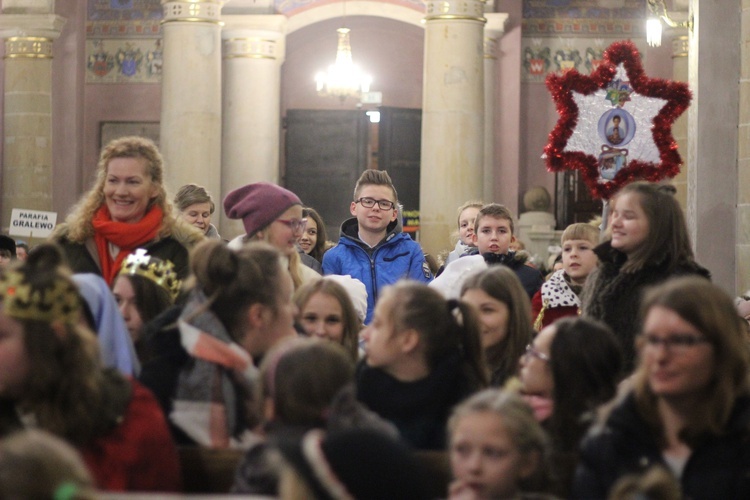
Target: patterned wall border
x,y
541,56
583,17
120,60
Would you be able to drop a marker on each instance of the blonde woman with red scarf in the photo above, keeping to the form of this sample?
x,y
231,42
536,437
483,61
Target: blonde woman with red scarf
x,y
127,208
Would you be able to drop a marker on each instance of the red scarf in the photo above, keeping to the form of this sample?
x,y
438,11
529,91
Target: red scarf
x,y
125,235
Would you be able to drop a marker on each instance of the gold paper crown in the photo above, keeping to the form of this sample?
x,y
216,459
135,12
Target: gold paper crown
x,y
59,301
161,272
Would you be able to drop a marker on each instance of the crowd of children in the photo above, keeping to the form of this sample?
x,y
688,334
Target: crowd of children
x,y
336,367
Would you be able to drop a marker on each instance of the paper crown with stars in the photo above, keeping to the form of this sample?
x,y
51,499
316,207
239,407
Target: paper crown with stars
x,y
49,300
161,272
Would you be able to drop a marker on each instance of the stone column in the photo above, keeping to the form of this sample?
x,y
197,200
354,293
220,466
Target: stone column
x,y
452,153
251,117
680,46
191,94
713,118
27,150
493,30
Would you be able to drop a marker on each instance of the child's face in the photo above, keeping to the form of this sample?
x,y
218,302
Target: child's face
x,y
322,317
578,259
380,342
466,225
493,235
374,219
485,461
628,223
126,303
14,360
493,316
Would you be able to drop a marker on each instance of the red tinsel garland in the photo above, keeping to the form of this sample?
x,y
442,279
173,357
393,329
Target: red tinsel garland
x,y
676,94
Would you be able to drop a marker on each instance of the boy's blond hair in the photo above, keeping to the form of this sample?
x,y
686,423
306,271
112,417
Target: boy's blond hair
x,y
580,231
375,178
496,211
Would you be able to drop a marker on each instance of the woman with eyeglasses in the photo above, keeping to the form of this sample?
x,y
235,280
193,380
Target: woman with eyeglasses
x,y
504,316
689,408
569,370
272,214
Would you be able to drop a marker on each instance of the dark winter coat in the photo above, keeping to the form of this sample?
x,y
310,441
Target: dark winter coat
x,y
719,467
419,409
614,297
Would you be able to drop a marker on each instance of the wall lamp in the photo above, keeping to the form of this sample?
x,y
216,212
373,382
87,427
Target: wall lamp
x,y
657,14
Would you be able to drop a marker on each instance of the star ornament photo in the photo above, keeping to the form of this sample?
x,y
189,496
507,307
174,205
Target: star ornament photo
x,y
615,125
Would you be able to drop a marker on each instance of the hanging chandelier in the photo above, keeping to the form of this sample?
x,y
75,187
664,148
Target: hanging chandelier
x,y
343,78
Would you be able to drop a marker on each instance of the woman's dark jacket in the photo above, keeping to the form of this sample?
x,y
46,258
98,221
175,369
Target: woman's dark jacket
x,y
719,467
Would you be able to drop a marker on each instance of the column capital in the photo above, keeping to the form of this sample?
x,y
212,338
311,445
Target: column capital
x,y
47,26
254,36
455,10
495,26
193,11
493,30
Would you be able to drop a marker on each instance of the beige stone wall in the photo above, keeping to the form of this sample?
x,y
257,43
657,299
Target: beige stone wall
x,y
743,158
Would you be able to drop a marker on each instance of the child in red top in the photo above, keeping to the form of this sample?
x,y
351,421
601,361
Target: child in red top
x,y
50,378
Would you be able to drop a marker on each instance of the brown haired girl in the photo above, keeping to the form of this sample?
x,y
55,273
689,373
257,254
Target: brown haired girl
x,y
648,243
204,369
50,378
423,356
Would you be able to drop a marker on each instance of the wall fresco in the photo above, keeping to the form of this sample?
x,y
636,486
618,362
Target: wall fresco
x,y
582,18
122,60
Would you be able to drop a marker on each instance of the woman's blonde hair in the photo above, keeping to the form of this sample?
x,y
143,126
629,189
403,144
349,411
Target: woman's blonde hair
x,y
295,262
78,223
711,311
350,320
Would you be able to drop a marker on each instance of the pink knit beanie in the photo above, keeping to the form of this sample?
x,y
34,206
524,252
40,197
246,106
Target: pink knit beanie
x,y
258,204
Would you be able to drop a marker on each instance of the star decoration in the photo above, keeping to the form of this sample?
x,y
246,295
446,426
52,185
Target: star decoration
x,y
615,125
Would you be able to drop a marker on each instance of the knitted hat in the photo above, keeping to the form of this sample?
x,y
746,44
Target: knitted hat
x,y
258,204
356,464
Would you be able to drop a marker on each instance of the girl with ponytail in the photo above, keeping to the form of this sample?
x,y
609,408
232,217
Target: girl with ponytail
x,y
423,355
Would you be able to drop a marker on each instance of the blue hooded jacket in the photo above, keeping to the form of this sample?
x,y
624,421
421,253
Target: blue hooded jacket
x,y
397,256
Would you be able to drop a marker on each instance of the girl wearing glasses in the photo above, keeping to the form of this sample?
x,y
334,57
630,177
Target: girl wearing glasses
x,y
648,244
272,214
571,368
689,408
504,317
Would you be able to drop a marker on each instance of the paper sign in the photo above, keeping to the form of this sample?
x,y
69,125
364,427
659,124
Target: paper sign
x,y
32,223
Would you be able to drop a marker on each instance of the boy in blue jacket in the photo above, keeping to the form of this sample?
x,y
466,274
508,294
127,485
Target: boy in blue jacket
x,y
371,246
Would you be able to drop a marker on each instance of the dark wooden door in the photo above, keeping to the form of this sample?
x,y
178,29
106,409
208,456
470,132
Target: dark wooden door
x,y
399,150
573,201
326,151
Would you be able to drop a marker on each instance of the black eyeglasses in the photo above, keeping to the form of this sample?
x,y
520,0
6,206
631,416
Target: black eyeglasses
x,y
370,202
677,343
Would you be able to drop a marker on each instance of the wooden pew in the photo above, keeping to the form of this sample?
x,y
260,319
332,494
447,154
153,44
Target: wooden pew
x,y
207,470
